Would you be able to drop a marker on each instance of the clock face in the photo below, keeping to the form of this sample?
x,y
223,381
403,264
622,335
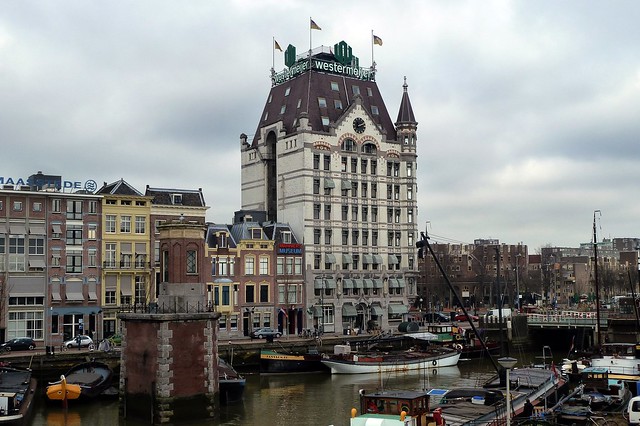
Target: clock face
x,y
358,125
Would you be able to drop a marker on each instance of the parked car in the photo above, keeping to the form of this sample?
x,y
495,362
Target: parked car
x,y
265,332
463,317
18,344
436,317
81,340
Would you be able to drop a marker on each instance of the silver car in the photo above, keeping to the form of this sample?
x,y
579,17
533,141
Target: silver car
x,y
80,340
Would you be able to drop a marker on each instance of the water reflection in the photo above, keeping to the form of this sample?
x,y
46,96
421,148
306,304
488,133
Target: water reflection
x,y
310,399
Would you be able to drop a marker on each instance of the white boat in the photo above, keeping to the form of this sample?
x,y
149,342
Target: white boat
x,y
620,359
345,362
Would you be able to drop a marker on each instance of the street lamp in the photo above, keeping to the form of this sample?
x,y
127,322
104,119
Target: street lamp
x,y
507,363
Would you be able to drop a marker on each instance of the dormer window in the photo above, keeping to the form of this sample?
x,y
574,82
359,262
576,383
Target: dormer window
x,y
286,237
283,109
256,233
322,102
176,198
222,240
287,91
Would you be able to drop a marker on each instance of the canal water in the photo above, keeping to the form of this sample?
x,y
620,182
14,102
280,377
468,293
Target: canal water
x,y
305,399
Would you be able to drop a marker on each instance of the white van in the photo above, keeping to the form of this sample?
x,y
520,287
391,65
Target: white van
x,y
495,313
633,410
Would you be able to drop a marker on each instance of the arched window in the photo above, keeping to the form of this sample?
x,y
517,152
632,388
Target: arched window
x,y
348,145
369,148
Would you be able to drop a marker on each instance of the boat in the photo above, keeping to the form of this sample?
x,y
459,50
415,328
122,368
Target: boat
x,y
17,390
394,408
603,393
84,381
343,361
231,384
275,362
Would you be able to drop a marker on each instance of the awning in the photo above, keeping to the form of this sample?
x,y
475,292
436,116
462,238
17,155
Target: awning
x,y
377,259
323,283
330,283
377,283
125,248
125,290
55,291
36,262
367,259
393,260
141,248
368,283
110,282
401,283
349,311
329,183
398,309
347,258
347,283
393,282
56,228
17,229
37,229
3,228
376,310
346,184
26,286
72,295
317,311
75,310
92,290
330,258
358,284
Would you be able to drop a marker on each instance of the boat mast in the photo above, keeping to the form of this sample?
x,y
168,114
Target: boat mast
x,y
424,241
597,288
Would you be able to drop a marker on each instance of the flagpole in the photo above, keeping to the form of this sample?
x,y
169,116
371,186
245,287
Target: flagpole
x,y
310,30
372,43
273,53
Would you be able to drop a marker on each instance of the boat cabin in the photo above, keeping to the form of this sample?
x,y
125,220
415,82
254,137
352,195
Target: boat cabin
x,y
413,404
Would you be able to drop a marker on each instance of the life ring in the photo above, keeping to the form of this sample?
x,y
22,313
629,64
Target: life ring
x,y
435,371
405,408
434,362
457,347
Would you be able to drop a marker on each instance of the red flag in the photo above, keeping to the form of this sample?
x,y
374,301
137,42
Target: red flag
x,y
284,313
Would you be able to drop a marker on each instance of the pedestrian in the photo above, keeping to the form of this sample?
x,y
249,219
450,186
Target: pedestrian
x,y
528,409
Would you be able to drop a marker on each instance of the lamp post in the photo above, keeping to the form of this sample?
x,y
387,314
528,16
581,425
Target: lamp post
x,y
507,363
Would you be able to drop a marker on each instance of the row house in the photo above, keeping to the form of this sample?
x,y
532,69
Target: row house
x,y
256,275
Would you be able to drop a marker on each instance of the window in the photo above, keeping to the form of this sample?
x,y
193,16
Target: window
x,y
389,215
410,239
374,238
74,210
354,165
389,192
299,103
374,110
249,265
322,102
286,237
92,257
55,205
325,120
316,261
345,237
141,224
365,213
223,268
327,212
93,207
327,162
397,216
355,90
354,236
264,293
91,231
363,165
316,161
249,293
374,190
374,214
363,190
409,169
140,290
287,91
327,236
283,108
110,297
176,198
17,206
390,239
409,192
74,262
316,186
16,253
348,145
334,86
192,262
37,207
110,255
256,233
74,235
365,237
345,212
110,224
264,265
316,236
396,192
354,213
343,164
125,224
337,103
374,164
369,91
36,246
410,215
316,211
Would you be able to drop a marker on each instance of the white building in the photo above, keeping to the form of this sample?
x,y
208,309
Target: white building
x,y
327,159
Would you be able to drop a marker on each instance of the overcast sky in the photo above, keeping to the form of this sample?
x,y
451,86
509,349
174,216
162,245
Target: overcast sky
x,y
528,111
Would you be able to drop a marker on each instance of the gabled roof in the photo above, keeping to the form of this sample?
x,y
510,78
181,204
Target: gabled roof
x,y
213,229
120,187
274,232
164,196
242,231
